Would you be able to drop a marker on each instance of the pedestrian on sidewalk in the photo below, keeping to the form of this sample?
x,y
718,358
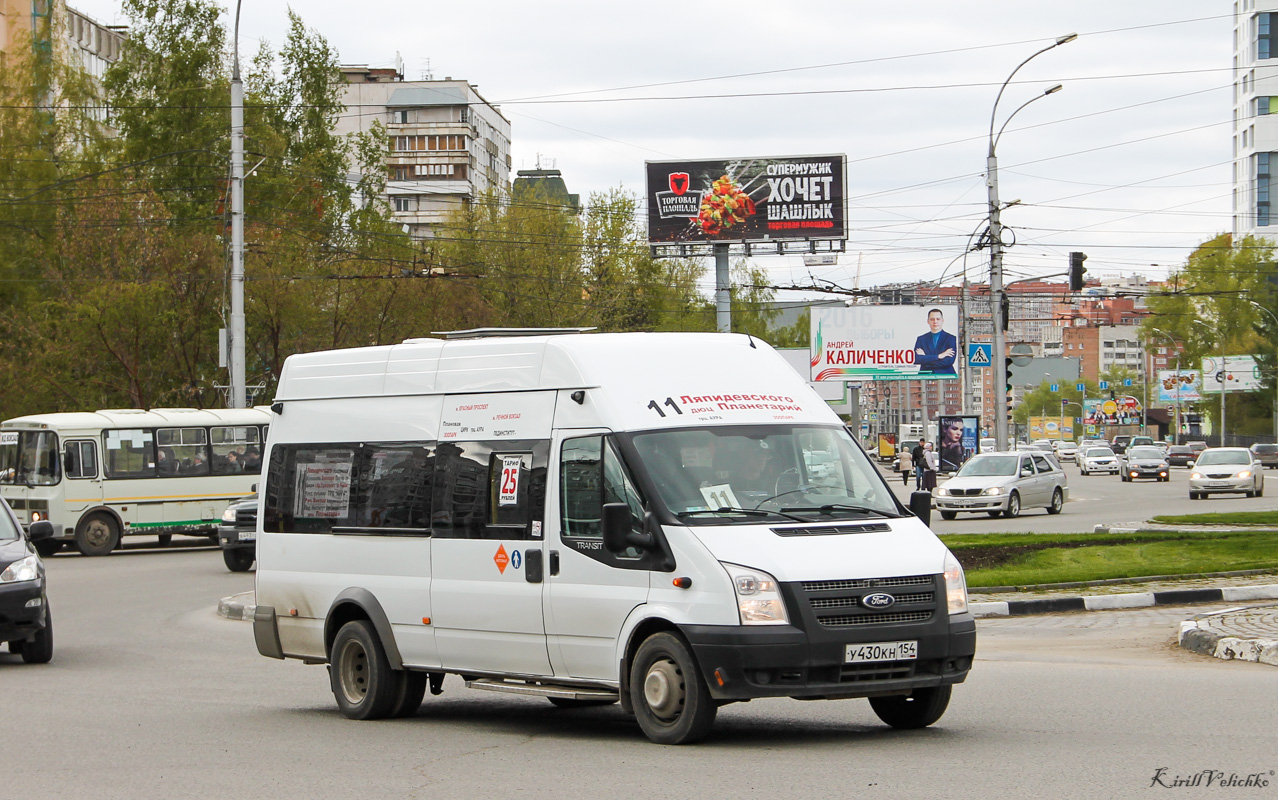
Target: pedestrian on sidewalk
x,y
919,461
933,461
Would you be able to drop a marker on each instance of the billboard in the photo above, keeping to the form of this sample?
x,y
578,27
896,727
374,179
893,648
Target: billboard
x,y
884,343
746,199
1123,410
958,440
1186,384
1051,427
1238,374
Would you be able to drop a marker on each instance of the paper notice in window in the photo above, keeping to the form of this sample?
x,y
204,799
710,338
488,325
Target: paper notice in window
x,y
323,491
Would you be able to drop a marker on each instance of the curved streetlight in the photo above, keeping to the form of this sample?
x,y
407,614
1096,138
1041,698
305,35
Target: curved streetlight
x,y
996,239
1274,317
1175,347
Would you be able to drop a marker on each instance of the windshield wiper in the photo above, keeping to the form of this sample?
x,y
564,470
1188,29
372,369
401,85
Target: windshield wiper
x,y
753,512
830,508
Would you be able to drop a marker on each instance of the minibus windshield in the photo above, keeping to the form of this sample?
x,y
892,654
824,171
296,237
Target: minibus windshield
x,y
29,457
731,474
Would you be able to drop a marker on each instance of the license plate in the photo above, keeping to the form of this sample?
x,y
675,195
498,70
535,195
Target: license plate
x,y
248,536
881,651
1218,484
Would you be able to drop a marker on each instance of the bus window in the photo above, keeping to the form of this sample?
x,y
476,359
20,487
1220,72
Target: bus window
x,y
80,459
182,451
129,453
236,449
29,457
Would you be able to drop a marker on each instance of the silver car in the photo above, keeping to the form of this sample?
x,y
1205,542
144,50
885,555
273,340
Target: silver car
x,y
1226,469
1004,483
1097,459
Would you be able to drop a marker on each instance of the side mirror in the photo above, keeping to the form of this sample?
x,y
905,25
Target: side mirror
x,y
1189,463
921,506
618,535
40,530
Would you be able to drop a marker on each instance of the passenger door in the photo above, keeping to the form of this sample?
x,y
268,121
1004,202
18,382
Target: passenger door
x,y
589,591
1044,480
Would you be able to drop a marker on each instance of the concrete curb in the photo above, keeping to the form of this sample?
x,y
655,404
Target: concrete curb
x,y
1197,637
1106,602
237,606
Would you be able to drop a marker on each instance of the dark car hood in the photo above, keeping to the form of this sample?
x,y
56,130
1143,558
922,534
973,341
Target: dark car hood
x,y
12,550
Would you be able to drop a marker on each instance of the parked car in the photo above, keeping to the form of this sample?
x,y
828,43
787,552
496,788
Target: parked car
x,y
25,621
1143,461
1226,469
1098,459
1119,443
1266,454
1004,483
1180,455
238,533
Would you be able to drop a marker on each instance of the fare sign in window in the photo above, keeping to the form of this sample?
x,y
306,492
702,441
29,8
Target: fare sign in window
x,y
508,493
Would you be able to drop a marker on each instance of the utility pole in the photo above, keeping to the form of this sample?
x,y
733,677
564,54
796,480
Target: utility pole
x,y
722,289
235,335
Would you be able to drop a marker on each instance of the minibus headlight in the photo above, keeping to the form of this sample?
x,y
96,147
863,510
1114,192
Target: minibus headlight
x,y
955,585
27,569
759,599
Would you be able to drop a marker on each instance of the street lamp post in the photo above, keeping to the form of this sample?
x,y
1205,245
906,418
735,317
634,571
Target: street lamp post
x,y
1275,319
235,343
996,241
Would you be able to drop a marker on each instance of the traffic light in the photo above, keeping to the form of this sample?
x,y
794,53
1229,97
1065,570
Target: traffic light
x,y
1076,271
1007,385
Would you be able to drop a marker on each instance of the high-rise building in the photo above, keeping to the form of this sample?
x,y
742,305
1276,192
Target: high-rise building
x,y
49,23
448,145
1255,140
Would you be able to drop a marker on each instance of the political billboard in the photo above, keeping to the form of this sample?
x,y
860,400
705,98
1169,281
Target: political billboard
x,y
1123,410
1185,386
1235,373
746,199
884,343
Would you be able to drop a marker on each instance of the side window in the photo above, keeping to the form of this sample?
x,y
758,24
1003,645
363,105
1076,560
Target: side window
x,y
1027,465
1042,463
489,490
128,453
80,459
310,488
236,449
393,490
591,474
181,451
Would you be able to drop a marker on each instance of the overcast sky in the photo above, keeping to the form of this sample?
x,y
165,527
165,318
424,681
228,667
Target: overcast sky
x,y
1129,164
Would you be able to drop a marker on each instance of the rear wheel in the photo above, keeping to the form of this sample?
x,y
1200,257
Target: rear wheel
x,y
918,710
671,702
363,683
165,539
949,514
1058,502
238,559
40,649
1013,506
47,547
97,535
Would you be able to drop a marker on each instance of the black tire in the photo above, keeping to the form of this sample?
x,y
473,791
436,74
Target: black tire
x,y
1013,505
571,702
1193,495
949,514
671,702
1260,492
47,547
97,535
918,710
995,514
239,559
15,646
165,539
40,649
1058,502
412,690
363,683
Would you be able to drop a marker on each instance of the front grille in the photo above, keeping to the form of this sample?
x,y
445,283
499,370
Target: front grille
x,y
849,621
965,492
246,518
855,602
867,583
830,530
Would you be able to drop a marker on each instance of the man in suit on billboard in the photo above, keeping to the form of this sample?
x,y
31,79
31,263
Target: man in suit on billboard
x,y
934,351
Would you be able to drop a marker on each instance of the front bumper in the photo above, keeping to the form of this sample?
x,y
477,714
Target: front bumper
x,y
992,502
807,658
1147,472
1226,485
1100,467
18,620
231,537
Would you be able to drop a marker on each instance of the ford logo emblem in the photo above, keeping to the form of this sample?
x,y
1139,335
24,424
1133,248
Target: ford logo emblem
x,y
878,600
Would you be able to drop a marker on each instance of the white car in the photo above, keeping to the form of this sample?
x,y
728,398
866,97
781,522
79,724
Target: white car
x,y
1226,469
1097,459
989,445
1004,483
1066,450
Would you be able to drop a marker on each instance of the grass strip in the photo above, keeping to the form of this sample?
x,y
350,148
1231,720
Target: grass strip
x,y
1226,518
1031,559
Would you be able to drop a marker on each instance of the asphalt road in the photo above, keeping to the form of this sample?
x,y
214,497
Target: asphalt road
x,y
1102,500
152,695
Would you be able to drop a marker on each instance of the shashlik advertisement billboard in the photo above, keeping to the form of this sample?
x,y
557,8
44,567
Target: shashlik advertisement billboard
x,y
746,199
884,343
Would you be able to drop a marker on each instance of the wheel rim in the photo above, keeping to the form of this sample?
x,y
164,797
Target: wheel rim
x,y
97,533
352,672
1014,505
1057,501
663,689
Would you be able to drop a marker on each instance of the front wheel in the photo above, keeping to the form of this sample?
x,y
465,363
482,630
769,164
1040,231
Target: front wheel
x,y
1058,502
671,702
1013,506
918,710
40,649
363,683
949,514
97,535
239,559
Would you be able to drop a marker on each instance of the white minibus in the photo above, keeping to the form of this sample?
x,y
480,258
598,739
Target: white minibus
x,y
671,521
102,475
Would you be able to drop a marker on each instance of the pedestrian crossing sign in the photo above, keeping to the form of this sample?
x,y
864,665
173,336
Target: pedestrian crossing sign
x,y
980,355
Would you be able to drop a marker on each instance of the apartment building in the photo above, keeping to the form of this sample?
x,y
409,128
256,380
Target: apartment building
x,y
448,145
45,23
1255,124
